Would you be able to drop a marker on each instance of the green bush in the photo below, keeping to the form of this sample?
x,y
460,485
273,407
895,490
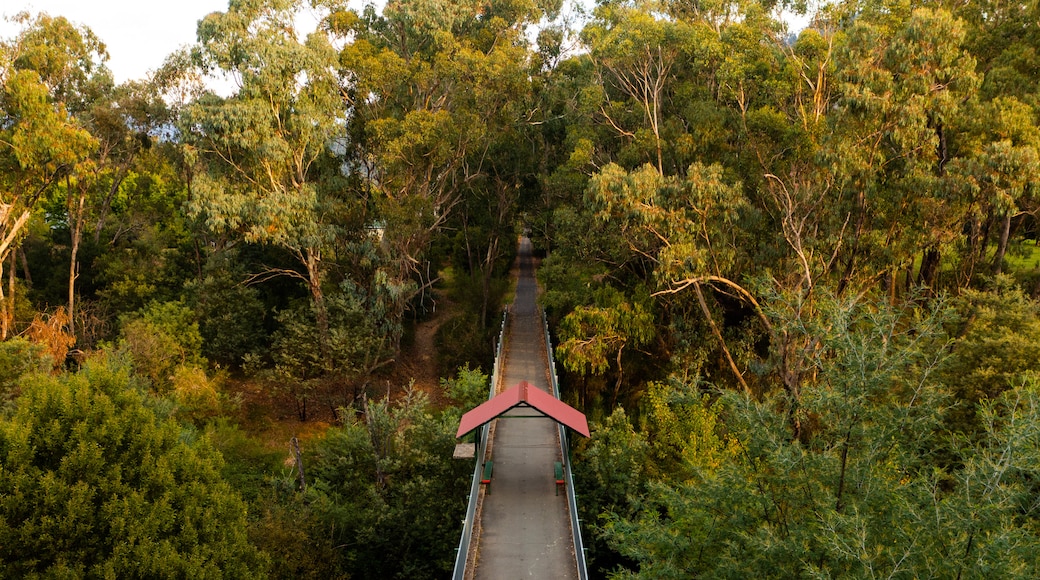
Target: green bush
x,y
463,343
96,482
469,387
19,357
231,318
160,338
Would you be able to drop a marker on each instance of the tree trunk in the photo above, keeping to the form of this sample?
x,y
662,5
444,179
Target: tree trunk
x,y
1005,233
76,233
850,265
9,322
718,335
487,272
25,266
892,275
791,376
5,306
312,261
107,204
838,506
929,267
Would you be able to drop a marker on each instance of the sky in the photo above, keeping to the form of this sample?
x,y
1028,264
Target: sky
x,y
139,34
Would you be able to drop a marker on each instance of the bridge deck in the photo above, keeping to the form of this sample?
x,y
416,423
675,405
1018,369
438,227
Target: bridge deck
x,y
524,525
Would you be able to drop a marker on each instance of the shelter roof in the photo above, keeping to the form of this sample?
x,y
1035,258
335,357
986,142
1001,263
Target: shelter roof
x,y
524,394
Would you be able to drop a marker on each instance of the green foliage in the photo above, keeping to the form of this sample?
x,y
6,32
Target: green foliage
x,y
95,482
590,334
998,341
438,96
461,342
296,540
469,387
860,492
586,260
717,200
593,338
161,338
149,240
684,432
612,470
265,156
249,461
197,395
41,140
231,316
386,483
362,336
773,515
19,358
680,438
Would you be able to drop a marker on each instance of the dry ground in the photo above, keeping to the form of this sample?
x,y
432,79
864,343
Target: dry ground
x,y
272,416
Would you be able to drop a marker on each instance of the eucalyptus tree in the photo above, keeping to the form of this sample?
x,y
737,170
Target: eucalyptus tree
x,y
41,142
124,120
1003,131
121,120
636,54
437,92
262,149
905,79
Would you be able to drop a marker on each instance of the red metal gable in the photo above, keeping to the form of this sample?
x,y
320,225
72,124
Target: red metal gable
x,y
526,394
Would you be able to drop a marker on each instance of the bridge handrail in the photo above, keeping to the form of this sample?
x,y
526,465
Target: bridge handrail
x,y
462,552
572,499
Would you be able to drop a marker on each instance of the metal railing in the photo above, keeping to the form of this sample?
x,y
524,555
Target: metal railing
x,y
462,552
572,499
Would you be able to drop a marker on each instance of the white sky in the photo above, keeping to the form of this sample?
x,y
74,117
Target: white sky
x,y
139,34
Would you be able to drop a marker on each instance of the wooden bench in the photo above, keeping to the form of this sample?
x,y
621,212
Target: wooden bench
x,y
558,468
486,479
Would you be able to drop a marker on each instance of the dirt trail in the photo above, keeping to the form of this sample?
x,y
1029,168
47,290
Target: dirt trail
x,y
418,361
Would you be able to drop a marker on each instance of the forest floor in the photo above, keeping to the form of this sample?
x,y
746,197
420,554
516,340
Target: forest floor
x,y
417,362
271,416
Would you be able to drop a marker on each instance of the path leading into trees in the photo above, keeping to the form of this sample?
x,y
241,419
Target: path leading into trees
x,y
525,527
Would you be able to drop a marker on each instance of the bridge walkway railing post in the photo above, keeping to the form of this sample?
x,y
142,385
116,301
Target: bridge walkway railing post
x,y
462,551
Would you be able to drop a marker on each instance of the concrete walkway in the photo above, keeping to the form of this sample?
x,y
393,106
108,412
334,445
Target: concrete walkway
x,y
525,527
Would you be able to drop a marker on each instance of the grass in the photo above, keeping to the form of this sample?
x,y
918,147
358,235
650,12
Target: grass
x,y
1023,256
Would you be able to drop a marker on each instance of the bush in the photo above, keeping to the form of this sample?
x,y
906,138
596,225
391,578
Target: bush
x,y
231,318
160,338
468,389
463,343
19,357
95,481
196,395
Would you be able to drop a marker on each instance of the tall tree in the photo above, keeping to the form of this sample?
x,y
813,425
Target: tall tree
x,y
123,120
261,148
437,91
41,142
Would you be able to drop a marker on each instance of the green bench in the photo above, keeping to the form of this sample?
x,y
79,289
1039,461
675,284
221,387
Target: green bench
x,y
558,468
486,479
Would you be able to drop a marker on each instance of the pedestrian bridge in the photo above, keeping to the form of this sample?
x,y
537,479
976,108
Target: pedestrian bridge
x,y
521,521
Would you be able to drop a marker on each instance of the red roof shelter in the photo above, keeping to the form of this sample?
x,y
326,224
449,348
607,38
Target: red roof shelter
x,y
524,394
